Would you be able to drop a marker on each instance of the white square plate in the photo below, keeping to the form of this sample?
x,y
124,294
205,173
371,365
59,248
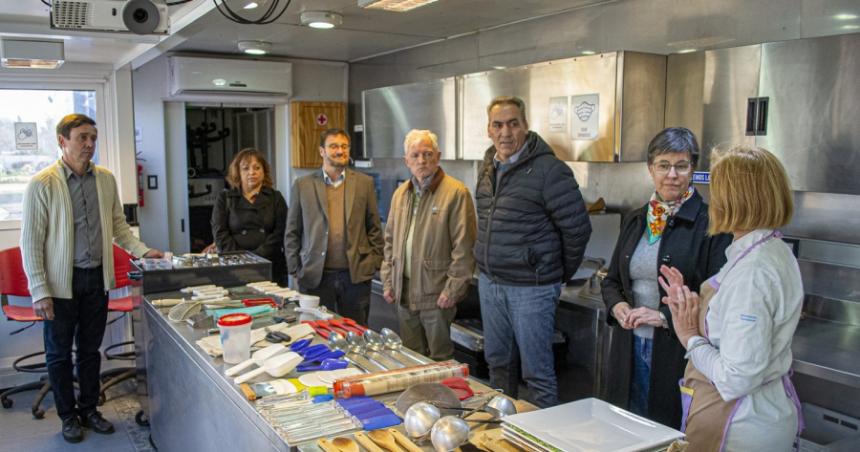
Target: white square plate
x,y
592,425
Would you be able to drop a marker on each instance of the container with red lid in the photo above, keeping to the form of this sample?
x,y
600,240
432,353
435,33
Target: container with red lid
x,y
235,337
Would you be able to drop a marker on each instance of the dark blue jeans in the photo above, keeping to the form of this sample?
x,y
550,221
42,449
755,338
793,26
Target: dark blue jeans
x,y
339,294
640,381
82,320
519,322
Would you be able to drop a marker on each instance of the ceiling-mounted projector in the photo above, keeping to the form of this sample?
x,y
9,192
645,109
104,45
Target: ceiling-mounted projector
x,y
136,16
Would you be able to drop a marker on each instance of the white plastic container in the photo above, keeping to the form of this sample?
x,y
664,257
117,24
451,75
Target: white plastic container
x,y
235,337
309,301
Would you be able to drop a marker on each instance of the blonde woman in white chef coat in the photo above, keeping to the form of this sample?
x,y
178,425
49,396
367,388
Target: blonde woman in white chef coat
x,y
736,390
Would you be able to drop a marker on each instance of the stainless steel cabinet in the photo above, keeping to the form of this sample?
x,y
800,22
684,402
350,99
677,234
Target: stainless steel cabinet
x,y
624,91
391,112
812,106
813,87
599,108
708,93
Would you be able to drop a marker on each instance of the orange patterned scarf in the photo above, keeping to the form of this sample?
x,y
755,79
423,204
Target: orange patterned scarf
x,y
659,211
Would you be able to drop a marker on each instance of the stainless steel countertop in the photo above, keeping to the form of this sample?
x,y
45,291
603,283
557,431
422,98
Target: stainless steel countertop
x,y
186,337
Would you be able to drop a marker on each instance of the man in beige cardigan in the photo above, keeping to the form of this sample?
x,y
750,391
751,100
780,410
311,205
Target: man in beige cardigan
x,y
71,216
429,237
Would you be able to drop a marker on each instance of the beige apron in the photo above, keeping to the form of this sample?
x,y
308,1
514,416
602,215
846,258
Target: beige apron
x,y
706,417
706,414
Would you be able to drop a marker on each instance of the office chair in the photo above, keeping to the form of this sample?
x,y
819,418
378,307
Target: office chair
x,y
13,282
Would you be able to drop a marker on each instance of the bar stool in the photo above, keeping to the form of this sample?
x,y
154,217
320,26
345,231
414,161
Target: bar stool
x,y
13,282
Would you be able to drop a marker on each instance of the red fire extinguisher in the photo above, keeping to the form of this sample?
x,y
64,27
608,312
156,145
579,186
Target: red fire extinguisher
x,y
139,185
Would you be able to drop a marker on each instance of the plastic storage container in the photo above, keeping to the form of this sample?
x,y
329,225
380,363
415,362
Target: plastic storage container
x,y
235,337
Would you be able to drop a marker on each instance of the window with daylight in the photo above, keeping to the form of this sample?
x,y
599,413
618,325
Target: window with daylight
x,y
28,141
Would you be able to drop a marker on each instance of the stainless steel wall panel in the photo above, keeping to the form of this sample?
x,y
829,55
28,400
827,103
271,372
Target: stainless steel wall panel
x,y
731,77
825,216
685,85
641,104
814,111
536,84
391,112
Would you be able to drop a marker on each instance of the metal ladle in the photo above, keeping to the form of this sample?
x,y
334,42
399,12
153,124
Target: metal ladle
x,y
419,419
338,342
358,346
376,344
449,433
393,342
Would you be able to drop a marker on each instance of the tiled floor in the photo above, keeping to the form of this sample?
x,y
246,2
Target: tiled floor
x,y
21,432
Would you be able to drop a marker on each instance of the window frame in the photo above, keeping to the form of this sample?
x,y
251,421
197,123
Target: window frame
x,y
104,115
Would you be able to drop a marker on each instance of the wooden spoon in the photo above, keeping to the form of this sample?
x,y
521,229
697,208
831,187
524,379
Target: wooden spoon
x,y
327,445
404,441
384,439
367,443
345,444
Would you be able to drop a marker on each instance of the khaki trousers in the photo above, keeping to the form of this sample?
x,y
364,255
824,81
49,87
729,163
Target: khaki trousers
x,y
426,331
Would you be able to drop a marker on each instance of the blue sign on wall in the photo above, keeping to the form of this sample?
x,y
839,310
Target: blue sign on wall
x,y
701,177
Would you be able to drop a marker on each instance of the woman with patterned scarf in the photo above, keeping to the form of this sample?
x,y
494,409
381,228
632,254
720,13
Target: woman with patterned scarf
x,y
670,229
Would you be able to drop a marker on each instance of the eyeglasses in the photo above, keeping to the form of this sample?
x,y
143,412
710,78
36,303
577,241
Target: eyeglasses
x,y
681,168
335,146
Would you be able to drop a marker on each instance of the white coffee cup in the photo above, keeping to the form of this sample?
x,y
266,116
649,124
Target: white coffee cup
x,y
309,301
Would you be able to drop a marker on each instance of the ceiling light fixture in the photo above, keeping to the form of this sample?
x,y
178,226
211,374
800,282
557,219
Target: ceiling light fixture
x,y
255,47
321,19
845,16
686,51
850,27
588,52
33,54
250,5
399,6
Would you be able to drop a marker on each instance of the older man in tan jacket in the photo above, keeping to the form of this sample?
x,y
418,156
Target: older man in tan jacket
x,y
429,237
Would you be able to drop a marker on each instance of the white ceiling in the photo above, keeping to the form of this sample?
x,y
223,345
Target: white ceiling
x,y
368,32
198,27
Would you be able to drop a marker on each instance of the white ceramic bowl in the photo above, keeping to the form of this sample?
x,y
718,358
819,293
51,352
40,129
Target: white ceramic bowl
x,y
309,301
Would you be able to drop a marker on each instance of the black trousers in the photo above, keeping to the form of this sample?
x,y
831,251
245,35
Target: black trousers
x,y
339,294
82,320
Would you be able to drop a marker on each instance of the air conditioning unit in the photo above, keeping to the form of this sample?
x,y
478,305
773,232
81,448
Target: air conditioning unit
x,y
195,75
136,16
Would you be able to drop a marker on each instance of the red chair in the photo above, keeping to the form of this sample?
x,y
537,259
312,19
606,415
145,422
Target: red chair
x,y
13,282
123,305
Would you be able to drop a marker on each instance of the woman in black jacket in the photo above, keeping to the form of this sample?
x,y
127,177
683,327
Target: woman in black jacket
x,y
251,215
671,229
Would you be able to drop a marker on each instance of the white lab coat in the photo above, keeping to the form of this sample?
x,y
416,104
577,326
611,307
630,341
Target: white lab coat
x,y
751,322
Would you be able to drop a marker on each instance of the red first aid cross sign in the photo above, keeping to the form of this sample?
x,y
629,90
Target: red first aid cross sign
x,y
322,119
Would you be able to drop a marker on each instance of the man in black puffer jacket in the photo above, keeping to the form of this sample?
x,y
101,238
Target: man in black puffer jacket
x,y
532,232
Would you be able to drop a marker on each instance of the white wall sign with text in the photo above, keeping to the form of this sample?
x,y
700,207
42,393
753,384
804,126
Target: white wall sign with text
x,y
584,116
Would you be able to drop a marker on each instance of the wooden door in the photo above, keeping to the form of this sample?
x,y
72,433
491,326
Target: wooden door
x,y
307,121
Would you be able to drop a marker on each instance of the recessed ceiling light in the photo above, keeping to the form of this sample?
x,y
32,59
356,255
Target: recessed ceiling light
x,y
250,5
500,67
686,50
394,5
321,19
219,82
845,16
850,27
588,52
255,47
